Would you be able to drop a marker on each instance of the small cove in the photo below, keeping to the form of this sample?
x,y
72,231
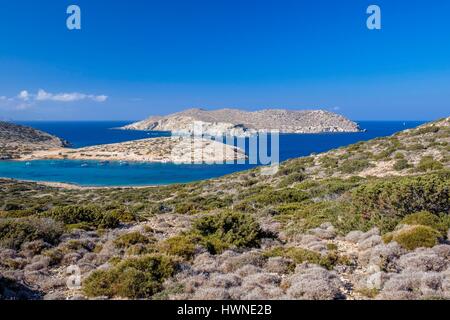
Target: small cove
x,y
95,173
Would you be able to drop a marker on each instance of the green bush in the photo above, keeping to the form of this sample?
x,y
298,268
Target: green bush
x,y
295,166
17,213
438,222
289,208
354,165
123,215
329,162
415,237
227,229
89,215
359,204
399,156
186,207
136,278
194,204
291,179
331,188
129,239
181,245
297,220
427,163
398,197
423,218
15,232
401,164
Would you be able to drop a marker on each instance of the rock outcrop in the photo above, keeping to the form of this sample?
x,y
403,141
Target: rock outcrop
x,y
17,140
235,122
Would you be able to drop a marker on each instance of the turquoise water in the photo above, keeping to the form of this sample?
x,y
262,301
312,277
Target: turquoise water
x,y
94,173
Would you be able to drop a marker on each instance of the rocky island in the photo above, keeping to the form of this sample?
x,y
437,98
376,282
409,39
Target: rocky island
x,y
25,143
234,122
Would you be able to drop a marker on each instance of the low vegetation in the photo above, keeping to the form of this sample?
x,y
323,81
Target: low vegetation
x,y
314,230
301,255
84,216
227,230
136,278
15,232
414,237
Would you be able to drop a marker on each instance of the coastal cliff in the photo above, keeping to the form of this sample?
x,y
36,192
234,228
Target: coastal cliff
x,y
235,122
17,140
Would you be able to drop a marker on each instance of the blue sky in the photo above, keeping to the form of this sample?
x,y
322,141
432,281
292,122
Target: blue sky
x,y
137,58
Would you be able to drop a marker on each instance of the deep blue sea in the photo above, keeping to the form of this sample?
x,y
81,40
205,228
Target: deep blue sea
x,y
93,173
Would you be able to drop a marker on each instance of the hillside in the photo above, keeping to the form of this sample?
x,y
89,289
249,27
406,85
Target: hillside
x,y
17,140
367,221
242,123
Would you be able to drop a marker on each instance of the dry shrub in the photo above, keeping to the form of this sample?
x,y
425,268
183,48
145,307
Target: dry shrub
x,y
423,260
211,294
314,283
413,285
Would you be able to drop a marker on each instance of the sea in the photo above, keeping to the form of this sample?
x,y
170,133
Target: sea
x,y
101,174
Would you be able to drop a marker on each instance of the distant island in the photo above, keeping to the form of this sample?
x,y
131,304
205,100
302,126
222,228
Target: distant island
x,y
234,122
24,143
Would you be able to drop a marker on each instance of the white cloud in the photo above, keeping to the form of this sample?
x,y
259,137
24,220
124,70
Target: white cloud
x,y
24,95
42,95
101,98
25,100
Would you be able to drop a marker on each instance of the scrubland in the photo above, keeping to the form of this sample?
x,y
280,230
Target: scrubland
x,y
367,221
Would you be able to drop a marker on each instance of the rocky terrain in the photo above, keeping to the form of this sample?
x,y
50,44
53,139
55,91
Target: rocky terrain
x,y
367,221
25,143
167,149
235,122
17,140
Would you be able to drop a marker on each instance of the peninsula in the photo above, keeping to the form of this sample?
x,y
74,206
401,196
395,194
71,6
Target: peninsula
x,y
25,144
18,141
